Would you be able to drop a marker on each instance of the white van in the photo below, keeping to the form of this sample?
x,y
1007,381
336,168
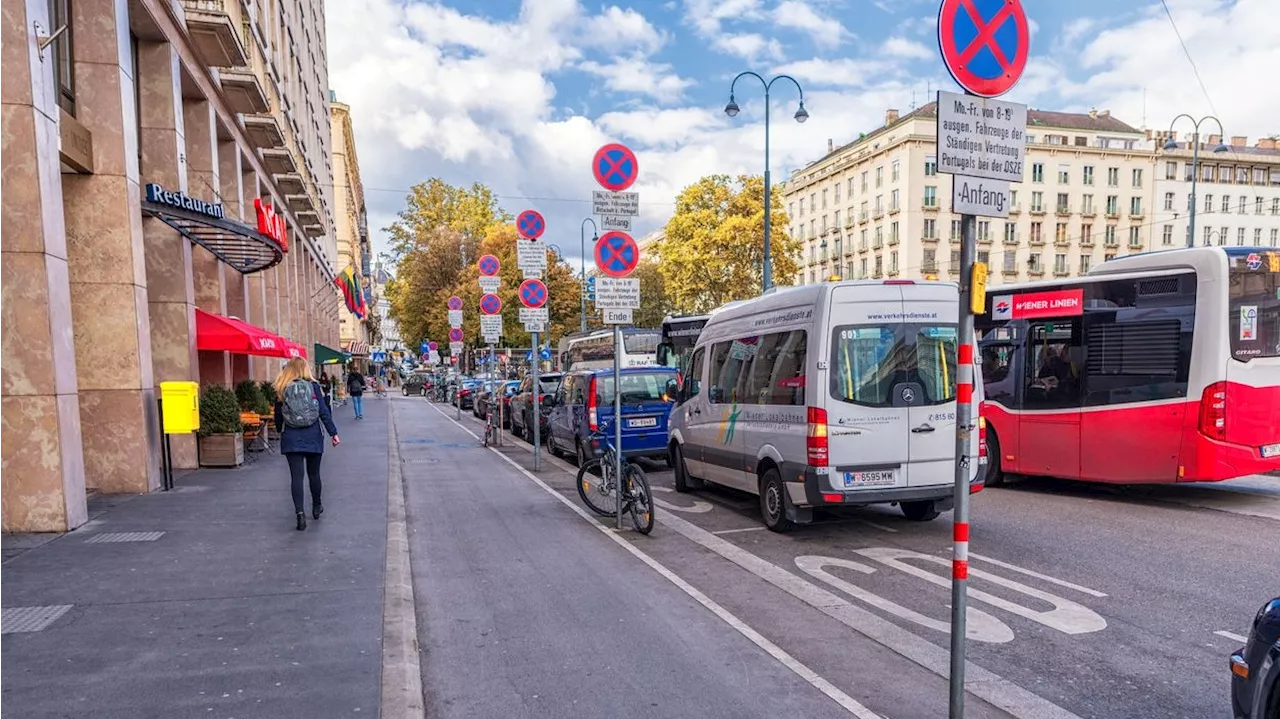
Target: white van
x,y
838,394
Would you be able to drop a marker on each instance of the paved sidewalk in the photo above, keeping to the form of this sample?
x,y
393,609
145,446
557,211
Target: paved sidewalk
x,y
225,611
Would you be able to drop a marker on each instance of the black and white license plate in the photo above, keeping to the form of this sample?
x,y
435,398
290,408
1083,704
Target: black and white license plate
x,y
1271,450
642,422
870,478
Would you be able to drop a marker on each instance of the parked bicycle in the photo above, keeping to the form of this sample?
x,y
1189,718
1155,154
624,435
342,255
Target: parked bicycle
x,y
491,429
597,486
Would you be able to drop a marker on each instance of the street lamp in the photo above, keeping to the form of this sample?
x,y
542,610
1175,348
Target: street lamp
x,y
595,237
801,115
1172,144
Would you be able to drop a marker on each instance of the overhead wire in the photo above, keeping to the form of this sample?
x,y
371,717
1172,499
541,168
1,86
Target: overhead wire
x,y
1187,52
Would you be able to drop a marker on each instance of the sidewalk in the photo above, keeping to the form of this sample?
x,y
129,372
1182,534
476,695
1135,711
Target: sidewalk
x,y
205,601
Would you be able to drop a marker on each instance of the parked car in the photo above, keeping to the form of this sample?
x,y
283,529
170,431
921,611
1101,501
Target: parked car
x,y
1255,668
522,404
484,402
463,393
583,406
418,383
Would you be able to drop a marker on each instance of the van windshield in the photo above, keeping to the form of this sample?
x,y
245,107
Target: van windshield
x,y
637,387
869,360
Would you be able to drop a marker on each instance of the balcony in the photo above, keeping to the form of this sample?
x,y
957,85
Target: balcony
x,y
299,203
263,131
929,267
1135,246
290,183
1136,215
862,218
1060,272
1013,241
243,90
1063,210
984,239
893,240
1113,214
894,209
1037,209
313,230
1015,209
214,33
929,238
930,206
1088,212
878,213
1035,271
1062,242
1037,241
1009,272
278,161
308,217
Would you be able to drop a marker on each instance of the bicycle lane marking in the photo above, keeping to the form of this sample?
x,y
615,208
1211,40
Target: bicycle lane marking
x,y
813,678
982,683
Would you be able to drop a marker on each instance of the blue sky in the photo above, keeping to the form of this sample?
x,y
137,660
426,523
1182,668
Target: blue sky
x,y
518,95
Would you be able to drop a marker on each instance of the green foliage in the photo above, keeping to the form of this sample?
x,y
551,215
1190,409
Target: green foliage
x,y
713,251
219,411
248,395
268,391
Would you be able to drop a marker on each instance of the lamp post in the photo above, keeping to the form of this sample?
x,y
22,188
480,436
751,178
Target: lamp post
x,y
801,115
595,236
1172,144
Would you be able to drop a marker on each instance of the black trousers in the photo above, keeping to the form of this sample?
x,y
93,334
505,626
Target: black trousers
x,y
308,463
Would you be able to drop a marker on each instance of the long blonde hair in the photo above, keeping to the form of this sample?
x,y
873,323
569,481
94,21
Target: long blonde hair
x,y
296,368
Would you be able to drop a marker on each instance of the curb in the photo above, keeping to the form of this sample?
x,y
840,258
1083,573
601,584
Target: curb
x,y
401,695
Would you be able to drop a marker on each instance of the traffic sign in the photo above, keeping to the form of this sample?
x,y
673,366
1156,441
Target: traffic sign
x,y
455,303
455,335
491,304
616,317
615,204
432,346
489,265
618,294
615,167
491,326
617,254
980,137
614,222
455,318
984,198
530,224
426,346
490,285
535,314
533,293
984,43
531,257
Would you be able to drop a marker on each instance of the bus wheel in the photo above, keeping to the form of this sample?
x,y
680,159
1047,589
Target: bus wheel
x,y
920,511
995,476
773,507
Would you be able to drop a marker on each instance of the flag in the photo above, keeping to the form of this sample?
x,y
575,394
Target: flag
x,y
349,283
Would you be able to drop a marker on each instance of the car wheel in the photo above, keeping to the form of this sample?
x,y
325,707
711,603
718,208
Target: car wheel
x,y
924,510
684,482
773,507
581,454
404,391
551,446
422,392
515,427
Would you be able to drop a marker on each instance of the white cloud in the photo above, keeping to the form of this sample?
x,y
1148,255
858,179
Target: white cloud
x,y
749,46
907,49
707,15
839,73
637,75
826,32
616,28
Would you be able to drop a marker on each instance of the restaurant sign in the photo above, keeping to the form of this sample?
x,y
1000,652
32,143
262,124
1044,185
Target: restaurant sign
x,y
161,196
271,224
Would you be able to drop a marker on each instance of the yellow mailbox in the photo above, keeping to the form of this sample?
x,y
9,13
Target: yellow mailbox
x,y
180,405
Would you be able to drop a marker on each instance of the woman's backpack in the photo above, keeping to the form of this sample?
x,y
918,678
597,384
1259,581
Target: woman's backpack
x,y
300,406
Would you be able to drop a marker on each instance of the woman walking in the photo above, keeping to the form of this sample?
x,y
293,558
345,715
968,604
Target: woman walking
x,y
299,414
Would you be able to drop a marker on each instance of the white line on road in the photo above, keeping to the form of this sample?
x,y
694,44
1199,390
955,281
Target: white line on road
x,y
1232,636
881,527
844,700
1037,575
740,529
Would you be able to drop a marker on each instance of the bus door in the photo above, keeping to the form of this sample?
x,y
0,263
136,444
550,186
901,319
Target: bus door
x,y
1049,424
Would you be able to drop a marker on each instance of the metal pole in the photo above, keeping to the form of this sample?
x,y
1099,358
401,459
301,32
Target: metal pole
x,y
537,412
582,294
964,430
1195,175
457,393
768,198
617,420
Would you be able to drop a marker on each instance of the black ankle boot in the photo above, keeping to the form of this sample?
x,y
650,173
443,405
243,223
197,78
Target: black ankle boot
x,y
317,509
302,521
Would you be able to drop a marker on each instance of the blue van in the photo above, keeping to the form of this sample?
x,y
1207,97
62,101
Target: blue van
x,y
583,405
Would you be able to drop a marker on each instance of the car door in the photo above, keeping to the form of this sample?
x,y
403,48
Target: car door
x,y
558,421
692,409
931,444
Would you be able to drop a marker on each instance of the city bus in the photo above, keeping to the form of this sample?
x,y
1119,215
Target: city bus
x,y
1153,368
679,335
594,349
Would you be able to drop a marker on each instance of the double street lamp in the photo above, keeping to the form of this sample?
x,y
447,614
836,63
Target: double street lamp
x,y
1172,144
801,115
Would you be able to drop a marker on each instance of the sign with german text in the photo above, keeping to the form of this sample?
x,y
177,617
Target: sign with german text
x,y
617,293
980,137
615,204
490,285
610,222
1031,305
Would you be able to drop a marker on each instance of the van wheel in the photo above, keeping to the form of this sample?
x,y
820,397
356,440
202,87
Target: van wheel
x,y
773,506
995,476
684,481
922,511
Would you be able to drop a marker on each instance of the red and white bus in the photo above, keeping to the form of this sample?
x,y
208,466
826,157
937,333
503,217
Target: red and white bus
x,y
1159,367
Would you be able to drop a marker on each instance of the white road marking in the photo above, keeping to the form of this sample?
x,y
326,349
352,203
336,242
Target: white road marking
x,y
1232,636
740,529
698,507
1037,575
881,527
847,702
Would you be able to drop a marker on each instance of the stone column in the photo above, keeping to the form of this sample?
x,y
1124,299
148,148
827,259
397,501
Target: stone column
x,y
236,288
119,418
200,133
170,284
42,486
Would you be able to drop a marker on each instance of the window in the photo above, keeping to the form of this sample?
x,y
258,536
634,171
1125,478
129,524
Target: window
x,y
984,230
1275,205
893,201
863,215
1135,237
984,257
1060,264
893,233
1088,174
955,230
1135,206
1226,203
1086,234
791,209
893,262
693,380
1085,262
1170,170
1189,172
1168,200
1088,205
836,197
1060,233
1259,176
1108,257
930,166
930,263
836,220
879,204
824,199
1240,236
1034,264
1208,203
801,207
636,387
879,266
1037,172
1257,205
1064,174
1166,235
1242,175
897,170
1052,377
862,268
1109,235
879,238
1010,233
1257,237
1113,205
850,188
871,363
1064,203
1037,202
879,177
1207,173
1222,235
1009,262
838,248
862,240
1253,291
1274,243
771,368
727,361
931,196
930,228
1244,205
813,202
954,267
1113,177
1130,360
864,180
64,76
1137,177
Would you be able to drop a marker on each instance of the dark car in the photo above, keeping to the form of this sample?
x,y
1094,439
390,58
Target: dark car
x,y
583,406
522,404
464,393
484,402
418,383
1255,668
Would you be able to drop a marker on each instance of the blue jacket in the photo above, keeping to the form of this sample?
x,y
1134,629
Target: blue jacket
x,y
306,440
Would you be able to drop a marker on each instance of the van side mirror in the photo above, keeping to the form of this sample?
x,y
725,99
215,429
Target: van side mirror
x,y
672,391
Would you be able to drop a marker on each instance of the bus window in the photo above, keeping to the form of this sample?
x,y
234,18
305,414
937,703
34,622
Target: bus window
x,y
1253,312
997,362
1053,373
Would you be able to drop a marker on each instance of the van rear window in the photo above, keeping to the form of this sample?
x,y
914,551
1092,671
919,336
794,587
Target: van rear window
x,y
869,360
636,387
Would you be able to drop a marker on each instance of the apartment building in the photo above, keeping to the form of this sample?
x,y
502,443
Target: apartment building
x,y
166,166
878,207
1237,193
352,230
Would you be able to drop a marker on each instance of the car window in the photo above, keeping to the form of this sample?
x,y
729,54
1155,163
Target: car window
x,y
870,360
634,387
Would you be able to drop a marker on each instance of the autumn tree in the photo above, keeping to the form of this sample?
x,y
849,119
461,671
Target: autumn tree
x,y
713,249
436,205
654,305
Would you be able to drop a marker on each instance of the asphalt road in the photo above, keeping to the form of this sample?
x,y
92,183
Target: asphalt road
x,y
1086,601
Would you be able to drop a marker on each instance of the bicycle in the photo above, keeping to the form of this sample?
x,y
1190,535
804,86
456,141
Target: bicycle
x,y
490,430
637,499
380,390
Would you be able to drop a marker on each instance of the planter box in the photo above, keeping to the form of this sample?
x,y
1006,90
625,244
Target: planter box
x,y
222,450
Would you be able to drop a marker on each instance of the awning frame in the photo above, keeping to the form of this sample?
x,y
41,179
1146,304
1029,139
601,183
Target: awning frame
x,y
240,246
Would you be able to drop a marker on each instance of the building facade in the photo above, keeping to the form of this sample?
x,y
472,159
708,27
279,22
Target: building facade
x,y
878,207
388,330
1237,193
352,233
163,162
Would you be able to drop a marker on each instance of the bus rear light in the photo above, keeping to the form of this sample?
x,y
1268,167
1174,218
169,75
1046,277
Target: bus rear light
x,y
982,435
1213,411
816,438
593,416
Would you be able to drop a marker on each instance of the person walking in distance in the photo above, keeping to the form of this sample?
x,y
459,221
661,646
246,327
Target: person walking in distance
x,y
355,388
300,412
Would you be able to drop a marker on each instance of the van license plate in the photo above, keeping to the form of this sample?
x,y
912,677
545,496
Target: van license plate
x,y
871,478
1271,450
643,422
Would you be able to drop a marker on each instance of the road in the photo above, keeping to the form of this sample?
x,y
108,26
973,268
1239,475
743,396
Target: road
x,y
1086,601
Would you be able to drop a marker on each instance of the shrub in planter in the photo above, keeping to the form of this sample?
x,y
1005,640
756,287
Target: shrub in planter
x,y
269,407
221,442
268,393
248,395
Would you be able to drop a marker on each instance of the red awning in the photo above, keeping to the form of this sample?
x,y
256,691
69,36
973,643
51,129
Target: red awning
x,y
293,349
226,334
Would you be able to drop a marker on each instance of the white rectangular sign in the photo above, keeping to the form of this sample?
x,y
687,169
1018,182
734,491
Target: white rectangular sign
x,y
455,318
615,204
531,256
534,314
455,348
532,327
614,293
491,324
609,222
617,317
490,284
981,197
492,339
981,137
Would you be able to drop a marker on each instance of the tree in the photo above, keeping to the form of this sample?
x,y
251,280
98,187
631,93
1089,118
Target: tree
x,y
434,205
713,249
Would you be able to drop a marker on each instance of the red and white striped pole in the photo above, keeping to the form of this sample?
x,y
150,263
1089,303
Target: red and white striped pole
x,y
965,426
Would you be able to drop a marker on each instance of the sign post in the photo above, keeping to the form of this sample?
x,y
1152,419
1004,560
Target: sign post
x,y
533,295
981,142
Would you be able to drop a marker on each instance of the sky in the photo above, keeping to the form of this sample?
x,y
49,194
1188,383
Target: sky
x,y
519,95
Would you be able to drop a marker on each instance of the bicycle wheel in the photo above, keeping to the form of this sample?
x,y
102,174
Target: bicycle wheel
x,y
639,499
596,492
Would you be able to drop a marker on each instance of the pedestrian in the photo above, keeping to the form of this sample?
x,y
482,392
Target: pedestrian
x,y
299,413
326,385
355,388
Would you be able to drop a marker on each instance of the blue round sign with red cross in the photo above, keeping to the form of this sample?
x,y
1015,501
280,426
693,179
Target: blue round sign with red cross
x,y
617,254
433,346
530,224
491,304
455,335
984,43
489,265
455,303
533,293
615,167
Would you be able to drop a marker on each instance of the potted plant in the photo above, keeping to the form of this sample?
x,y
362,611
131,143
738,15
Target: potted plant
x,y
221,442
268,392
248,395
